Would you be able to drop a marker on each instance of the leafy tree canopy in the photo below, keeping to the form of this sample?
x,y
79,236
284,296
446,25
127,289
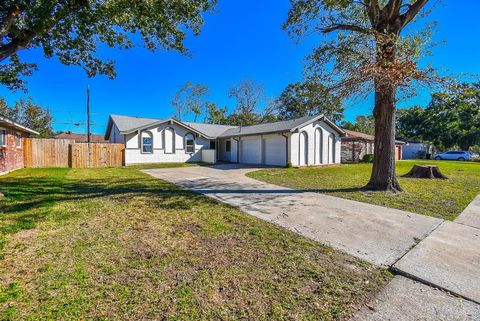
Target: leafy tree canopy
x,y
410,123
72,30
29,114
365,47
363,124
452,118
190,100
216,115
308,98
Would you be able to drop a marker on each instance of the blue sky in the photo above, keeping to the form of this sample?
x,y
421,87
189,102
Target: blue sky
x,y
243,40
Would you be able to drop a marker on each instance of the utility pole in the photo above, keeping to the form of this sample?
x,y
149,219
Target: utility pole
x,y
88,115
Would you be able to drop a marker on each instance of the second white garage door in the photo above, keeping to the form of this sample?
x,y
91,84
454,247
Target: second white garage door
x,y
275,151
251,151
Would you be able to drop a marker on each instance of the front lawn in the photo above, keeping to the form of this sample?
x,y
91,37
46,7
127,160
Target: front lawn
x,y
117,244
439,198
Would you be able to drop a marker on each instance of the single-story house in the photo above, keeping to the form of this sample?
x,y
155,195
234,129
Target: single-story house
x,y
355,145
11,144
80,138
306,141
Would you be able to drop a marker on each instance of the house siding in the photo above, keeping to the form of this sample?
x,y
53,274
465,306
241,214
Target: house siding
x,y
11,157
134,154
294,141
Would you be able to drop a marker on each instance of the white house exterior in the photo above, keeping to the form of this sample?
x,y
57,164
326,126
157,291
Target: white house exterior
x,y
306,141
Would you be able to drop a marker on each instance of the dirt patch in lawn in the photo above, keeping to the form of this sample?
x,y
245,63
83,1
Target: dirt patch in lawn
x,y
118,244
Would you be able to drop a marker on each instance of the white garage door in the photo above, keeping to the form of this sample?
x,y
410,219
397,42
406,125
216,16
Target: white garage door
x,y
275,151
251,151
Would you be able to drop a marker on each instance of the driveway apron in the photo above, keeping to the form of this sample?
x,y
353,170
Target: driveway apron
x,y
376,234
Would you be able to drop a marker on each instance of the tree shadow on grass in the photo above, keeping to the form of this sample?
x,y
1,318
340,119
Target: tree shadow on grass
x,y
29,200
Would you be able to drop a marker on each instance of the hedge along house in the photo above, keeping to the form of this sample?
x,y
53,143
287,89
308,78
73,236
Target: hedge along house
x,y
11,144
306,141
355,145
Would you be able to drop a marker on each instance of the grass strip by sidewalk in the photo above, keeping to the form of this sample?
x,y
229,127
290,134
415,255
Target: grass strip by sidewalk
x,y
444,199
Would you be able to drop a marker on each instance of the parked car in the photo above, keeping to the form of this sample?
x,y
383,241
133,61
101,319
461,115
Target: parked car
x,y
454,155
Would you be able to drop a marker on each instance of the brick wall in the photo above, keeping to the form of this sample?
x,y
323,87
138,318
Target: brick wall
x,y
11,157
353,151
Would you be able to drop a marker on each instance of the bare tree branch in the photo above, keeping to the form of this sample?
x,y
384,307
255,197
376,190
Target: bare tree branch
x,y
344,27
412,12
393,8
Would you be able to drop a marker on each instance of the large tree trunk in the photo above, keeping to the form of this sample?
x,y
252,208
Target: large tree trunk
x,y
383,173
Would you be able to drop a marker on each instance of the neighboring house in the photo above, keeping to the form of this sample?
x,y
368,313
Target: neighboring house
x,y
305,141
416,150
11,144
355,145
80,138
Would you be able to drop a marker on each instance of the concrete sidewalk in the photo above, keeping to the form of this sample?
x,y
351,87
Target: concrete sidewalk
x,y
405,300
471,215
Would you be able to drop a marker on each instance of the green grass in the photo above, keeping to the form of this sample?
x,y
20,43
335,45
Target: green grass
x,y
117,244
439,198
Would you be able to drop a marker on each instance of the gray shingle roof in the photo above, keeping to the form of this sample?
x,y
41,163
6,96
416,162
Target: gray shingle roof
x,y
127,124
279,126
210,130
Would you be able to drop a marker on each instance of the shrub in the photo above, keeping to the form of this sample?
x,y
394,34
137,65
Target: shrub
x,y
289,165
367,158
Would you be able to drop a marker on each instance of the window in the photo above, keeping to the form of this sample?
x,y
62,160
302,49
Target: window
x,y
18,140
3,137
212,144
228,146
147,143
189,143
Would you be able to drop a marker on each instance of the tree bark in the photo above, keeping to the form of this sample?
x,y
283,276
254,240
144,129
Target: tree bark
x,y
383,176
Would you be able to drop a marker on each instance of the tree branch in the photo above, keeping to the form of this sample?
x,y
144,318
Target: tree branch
x,y
344,27
15,45
393,8
413,10
9,19
373,10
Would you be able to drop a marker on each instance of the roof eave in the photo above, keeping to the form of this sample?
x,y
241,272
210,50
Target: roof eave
x,y
255,134
17,126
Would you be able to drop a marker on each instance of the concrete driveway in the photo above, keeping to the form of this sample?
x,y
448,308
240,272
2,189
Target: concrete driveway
x,y
376,234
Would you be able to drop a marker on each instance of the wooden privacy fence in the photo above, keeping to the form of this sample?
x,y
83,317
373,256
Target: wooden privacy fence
x,y
39,152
